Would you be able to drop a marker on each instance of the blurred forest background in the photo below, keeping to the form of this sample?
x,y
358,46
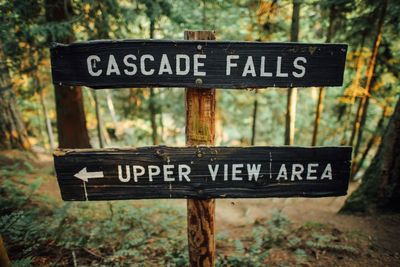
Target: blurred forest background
x,y
36,118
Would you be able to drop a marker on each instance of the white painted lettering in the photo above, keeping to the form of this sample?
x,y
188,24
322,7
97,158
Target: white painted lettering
x,y
253,170
143,64
184,171
213,171
235,171
197,64
311,170
262,72
230,64
164,65
186,60
282,173
249,67
297,170
327,174
167,171
112,66
153,171
299,67
128,174
279,72
130,64
94,59
137,171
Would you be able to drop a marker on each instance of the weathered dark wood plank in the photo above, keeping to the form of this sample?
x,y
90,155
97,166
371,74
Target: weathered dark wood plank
x,y
201,185
323,64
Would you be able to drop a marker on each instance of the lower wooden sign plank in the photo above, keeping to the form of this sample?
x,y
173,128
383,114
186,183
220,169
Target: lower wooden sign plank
x,y
202,172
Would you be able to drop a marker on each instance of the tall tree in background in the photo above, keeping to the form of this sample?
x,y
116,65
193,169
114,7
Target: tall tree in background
x,y
12,129
71,121
321,93
292,92
380,187
97,21
152,99
356,134
154,10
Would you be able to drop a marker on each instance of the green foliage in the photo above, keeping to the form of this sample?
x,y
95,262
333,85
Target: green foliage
x,y
98,234
279,233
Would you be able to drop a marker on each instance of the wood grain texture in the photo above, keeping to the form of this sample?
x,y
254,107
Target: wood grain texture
x,y
201,186
324,66
200,130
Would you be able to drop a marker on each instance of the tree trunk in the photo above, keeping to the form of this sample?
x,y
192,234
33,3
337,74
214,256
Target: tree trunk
x,y
4,260
253,127
12,128
318,113
355,86
47,120
111,108
290,116
98,119
152,100
71,121
369,75
380,187
321,94
375,139
292,92
361,129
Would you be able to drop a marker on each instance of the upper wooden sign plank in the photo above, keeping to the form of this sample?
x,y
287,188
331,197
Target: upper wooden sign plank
x,y
197,64
202,172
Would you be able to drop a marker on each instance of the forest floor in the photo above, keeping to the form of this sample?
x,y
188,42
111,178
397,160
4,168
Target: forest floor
x,y
310,230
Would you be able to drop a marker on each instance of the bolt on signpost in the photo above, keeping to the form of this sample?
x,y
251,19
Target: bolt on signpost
x,y
200,172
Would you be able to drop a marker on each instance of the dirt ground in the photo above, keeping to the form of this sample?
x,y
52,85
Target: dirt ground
x,y
236,217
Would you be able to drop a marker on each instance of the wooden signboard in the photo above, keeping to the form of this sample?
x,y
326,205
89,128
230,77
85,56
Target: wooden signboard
x,y
202,172
197,64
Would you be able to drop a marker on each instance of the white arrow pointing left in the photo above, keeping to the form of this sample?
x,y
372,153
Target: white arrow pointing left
x,y
84,175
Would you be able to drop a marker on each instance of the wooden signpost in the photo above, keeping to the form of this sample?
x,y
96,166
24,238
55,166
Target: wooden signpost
x,y
200,172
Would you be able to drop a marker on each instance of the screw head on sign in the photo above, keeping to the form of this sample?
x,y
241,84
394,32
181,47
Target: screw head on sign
x,y
199,81
199,47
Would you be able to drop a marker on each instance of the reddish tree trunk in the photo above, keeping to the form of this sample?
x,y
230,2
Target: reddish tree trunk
x,y
292,92
71,121
369,76
12,128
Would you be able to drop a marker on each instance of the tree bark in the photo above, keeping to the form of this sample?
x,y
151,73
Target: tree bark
x,y
111,108
292,92
152,100
98,119
290,116
71,121
380,187
47,120
321,93
355,85
254,125
4,260
13,134
369,75
153,121
375,139
361,128
200,130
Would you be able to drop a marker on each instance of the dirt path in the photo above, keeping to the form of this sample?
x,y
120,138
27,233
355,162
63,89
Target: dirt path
x,y
236,216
